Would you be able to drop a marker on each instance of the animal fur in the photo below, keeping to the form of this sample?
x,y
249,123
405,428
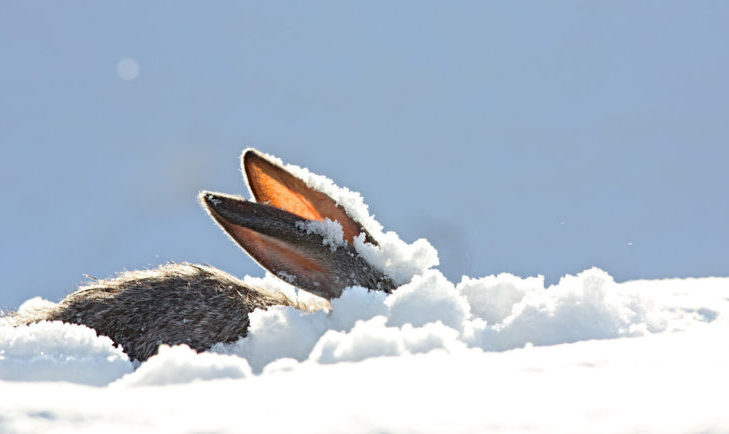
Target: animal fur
x,y
181,303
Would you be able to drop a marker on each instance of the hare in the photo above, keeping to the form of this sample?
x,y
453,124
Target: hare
x,y
198,305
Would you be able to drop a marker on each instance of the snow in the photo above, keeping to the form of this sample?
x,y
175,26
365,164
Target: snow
x,y
59,352
331,231
499,353
494,353
657,383
180,365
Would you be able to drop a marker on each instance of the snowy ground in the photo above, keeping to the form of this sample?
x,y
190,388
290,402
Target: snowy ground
x,y
498,353
585,355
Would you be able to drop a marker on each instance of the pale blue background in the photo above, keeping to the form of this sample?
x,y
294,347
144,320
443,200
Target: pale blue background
x,y
526,137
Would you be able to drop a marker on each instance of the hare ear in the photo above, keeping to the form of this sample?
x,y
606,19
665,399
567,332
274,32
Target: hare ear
x,y
272,238
272,184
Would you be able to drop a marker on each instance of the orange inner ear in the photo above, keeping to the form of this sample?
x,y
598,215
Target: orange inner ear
x,y
278,256
273,185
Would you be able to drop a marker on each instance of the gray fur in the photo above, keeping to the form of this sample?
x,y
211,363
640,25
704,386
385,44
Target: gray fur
x,y
174,304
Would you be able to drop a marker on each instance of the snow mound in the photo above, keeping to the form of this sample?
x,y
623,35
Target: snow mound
x,y
372,338
54,351
494,313
180,364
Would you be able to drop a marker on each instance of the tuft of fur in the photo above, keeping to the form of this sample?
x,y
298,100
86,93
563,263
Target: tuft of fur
x,y
177,303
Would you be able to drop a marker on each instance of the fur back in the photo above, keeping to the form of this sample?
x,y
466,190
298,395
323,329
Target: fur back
x,y
178,303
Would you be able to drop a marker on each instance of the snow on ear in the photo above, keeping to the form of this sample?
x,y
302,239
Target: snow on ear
x,y
272,184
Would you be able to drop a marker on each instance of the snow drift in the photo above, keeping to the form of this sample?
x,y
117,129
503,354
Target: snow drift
x,y
491,353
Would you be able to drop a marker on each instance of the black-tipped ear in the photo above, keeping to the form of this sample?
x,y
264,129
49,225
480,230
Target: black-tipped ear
x,y
272,184
274,239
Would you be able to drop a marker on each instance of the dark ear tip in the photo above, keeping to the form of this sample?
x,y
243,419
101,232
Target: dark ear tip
x,y
250,155
207,199
212,200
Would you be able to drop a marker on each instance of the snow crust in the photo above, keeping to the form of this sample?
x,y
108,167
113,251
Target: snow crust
x,y
494,353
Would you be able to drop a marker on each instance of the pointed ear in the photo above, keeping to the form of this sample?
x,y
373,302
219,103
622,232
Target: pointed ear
x,y
272,238
272,184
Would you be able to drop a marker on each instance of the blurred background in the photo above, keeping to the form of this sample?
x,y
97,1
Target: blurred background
x,y
522,137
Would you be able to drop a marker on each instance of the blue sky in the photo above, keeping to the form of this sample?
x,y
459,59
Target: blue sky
x,y
529,138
